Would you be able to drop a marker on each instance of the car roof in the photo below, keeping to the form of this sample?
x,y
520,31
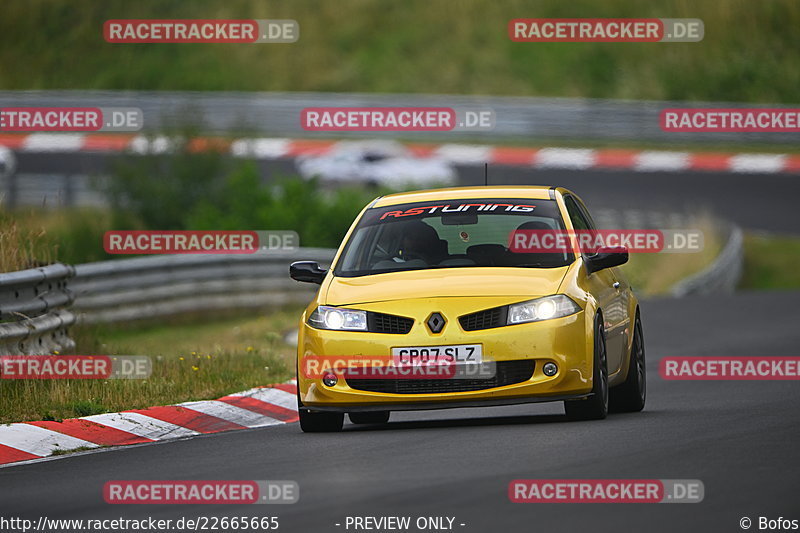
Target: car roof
x,y
533,192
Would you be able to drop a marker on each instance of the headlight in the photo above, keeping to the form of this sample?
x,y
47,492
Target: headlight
x,y
325,317
555,306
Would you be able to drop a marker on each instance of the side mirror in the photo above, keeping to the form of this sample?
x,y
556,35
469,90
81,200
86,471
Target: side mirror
x,y
307,271
607,257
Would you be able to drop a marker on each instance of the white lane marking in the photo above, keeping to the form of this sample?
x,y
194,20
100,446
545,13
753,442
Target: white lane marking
x,y
757,163
157,145
464,153
263,148
284,399
141,425
39,441
661,161
53,142
231,413
577,158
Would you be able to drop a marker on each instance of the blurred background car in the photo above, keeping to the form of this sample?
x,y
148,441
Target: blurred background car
x,y
385,163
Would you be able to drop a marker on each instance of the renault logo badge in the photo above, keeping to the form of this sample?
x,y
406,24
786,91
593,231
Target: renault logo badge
x,y
436,322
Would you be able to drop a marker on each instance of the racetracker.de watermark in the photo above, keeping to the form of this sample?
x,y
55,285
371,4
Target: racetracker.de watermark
x,y
397,119
74,119
421,364
201,492
606,30
200,31
75,367
730,368
199,242
606,491
731,120
526,241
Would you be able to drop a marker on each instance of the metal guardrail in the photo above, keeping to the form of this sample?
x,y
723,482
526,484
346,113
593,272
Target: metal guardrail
x,y
722,275
278,114
34,314
153,287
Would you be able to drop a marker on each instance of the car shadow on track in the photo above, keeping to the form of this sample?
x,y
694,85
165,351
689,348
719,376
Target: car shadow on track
x,y
460,422
515,420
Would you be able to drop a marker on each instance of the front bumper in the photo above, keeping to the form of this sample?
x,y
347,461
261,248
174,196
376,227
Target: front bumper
x,y
427,406
564,341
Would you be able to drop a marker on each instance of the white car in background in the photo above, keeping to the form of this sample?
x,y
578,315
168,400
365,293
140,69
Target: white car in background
x,y
385,163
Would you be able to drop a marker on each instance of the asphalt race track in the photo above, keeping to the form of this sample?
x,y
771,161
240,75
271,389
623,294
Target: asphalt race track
x,y
739,438
765,202
755,201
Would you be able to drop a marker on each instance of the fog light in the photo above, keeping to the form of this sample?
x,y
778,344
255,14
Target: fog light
x,y
329,379
550,369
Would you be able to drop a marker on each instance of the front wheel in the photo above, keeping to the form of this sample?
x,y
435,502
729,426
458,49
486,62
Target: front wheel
x,y
630,396
316,422
595,407
320,422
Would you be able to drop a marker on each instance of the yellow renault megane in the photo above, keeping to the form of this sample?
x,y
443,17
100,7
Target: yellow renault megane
x,y
427,284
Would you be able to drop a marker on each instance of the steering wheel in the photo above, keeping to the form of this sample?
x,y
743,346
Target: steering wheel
x,y
410,256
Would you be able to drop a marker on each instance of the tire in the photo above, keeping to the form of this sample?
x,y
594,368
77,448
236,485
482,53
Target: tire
x,y
369,417
631,395
595,407
320,422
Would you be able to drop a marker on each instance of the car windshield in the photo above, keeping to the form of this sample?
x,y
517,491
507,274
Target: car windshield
x,y
448,234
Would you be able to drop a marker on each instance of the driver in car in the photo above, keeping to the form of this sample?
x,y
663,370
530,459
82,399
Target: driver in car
x,y
420,241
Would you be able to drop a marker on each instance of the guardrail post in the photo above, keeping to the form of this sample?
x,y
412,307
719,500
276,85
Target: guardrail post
x,y
8,174
68,199
34,311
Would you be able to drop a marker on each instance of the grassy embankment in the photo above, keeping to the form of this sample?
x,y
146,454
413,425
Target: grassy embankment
x,y
416,46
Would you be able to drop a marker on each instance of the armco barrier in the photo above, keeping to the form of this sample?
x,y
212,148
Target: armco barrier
x,y
278,114
722,275
34,315
151,287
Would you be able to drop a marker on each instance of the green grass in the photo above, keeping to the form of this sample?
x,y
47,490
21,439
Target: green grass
x,y
33,237
655,273
750,52
771,262
21,246
73,450
191,361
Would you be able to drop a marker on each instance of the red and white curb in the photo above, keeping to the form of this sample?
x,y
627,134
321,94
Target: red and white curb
x,y
254,408
461,154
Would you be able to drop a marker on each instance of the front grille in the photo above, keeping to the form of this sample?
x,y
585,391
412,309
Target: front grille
x,y
507,373
381,323
487,319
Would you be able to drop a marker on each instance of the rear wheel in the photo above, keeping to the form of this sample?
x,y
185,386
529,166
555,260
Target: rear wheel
x,y
369,417
630,396
595,407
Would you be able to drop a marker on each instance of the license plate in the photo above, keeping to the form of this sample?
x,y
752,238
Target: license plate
x,y
424,355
